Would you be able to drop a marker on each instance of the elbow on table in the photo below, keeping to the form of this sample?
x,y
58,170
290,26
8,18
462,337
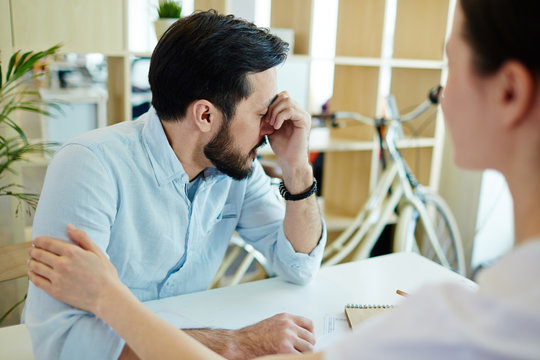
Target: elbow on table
x,y
300,275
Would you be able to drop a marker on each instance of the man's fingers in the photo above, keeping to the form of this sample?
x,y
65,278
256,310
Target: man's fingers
x,y
285,112
306,335
282,116
303,346
303,322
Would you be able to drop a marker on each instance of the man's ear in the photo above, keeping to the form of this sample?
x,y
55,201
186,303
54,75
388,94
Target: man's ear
x,y
516,93
205,115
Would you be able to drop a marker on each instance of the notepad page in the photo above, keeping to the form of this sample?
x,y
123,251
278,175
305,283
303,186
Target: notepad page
x,y
356,314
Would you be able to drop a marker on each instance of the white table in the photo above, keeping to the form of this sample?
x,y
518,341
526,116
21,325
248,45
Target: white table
x,y
371,281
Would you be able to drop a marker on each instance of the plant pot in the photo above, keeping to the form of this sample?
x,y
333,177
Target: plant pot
x,y
161,25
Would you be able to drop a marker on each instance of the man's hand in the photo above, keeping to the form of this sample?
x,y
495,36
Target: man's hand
x,y
290,138
290,141
280,334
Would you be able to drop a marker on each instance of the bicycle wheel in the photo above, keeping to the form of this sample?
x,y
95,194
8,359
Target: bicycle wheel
x,y
411,234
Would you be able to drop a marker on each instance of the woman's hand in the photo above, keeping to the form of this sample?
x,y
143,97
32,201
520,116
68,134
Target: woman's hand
x,y
81,276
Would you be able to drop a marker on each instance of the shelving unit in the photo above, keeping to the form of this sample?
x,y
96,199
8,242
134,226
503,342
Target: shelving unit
x,y
398,50
381,46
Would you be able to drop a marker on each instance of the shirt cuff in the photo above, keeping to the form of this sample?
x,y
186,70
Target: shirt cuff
x,y
295,266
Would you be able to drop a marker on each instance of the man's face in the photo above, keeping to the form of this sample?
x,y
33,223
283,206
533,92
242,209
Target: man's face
x,y
234,147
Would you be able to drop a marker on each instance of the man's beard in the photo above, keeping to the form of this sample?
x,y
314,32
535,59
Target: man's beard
x,y
223,155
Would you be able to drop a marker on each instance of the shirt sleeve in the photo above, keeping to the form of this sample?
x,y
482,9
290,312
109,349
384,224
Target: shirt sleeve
x,y
79,190
261,224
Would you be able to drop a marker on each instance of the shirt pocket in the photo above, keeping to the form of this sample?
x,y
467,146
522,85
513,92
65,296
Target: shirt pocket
x,y
225,222
229,212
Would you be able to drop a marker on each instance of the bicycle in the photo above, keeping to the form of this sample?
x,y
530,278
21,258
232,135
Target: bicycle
x,y
425,223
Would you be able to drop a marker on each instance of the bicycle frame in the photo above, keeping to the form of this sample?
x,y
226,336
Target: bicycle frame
x,y
394,187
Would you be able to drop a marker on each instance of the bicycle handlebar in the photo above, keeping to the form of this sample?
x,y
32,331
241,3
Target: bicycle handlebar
x,y
434,96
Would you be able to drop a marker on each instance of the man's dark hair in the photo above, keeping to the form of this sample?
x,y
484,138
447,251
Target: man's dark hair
x,y
207,56
502,30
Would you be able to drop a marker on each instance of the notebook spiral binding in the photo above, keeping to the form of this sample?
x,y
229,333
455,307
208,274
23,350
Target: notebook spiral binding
x,y
358,306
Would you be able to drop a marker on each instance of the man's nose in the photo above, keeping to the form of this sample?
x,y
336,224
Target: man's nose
x,y
266,129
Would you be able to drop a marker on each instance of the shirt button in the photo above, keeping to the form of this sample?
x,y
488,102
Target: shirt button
x,y
185,178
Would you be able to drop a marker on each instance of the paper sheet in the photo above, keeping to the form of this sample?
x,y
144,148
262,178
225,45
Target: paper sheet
x,y
335,328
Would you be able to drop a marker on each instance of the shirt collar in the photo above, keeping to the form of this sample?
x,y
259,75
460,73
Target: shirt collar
x,y
164,162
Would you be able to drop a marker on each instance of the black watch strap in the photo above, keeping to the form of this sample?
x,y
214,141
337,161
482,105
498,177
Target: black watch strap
x,y
288,196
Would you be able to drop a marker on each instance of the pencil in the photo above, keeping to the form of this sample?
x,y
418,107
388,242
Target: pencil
x,y
402,293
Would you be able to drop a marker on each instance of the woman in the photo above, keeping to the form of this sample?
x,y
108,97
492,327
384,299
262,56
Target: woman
x,y
492,107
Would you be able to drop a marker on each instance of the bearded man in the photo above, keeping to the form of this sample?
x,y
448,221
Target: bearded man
x,y
162,195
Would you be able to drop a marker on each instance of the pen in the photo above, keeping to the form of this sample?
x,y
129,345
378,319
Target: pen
x,y
402,293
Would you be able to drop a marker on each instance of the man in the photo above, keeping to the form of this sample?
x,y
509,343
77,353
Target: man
x,y
162,195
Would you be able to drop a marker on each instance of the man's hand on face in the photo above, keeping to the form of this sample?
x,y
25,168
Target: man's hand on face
x,y
290,138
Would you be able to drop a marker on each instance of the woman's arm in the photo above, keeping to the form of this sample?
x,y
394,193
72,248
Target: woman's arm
x,y
83,277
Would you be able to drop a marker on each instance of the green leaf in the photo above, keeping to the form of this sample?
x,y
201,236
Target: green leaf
x,y
11,64
17,128
26,66
21,61
17,95
169,9
12,308
26,63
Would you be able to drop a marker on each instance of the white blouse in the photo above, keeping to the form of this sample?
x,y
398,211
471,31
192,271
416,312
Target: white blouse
x,y
501,320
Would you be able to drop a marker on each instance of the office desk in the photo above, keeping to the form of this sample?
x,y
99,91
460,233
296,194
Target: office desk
x,y
371,281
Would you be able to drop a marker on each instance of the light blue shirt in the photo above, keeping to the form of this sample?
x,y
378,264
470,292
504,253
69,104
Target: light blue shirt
x,y
126,188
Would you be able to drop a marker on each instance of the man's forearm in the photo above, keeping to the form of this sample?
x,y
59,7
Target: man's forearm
x,y
280,334
219,341
302,224
225,342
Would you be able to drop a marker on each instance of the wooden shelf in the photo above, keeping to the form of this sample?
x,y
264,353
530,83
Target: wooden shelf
x,y
360,28
321,141
420,28
338,223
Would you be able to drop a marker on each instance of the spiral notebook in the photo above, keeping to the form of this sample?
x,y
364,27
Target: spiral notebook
x,y
357,314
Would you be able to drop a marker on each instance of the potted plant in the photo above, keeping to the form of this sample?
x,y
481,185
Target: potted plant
x,y
17,94
168,12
